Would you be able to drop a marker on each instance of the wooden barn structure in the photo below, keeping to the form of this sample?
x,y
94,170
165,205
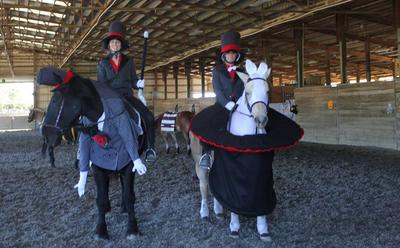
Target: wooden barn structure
x,y
339,59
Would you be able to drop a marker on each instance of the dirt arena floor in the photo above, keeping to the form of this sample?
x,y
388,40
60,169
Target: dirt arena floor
x,y
328,196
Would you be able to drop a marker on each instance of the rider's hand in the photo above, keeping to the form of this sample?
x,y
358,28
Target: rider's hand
x,y
229,106
82,183
140,84
139,167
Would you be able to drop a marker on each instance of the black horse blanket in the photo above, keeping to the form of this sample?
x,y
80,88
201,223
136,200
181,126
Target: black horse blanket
x,y
241,177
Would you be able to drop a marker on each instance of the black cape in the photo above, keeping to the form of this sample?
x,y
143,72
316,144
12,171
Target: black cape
x,y
241,177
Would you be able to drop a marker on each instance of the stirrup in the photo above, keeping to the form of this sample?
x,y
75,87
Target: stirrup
x,y
150,155
205,161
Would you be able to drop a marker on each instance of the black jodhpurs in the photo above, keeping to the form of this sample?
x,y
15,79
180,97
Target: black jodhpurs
x,y
102,179
148,118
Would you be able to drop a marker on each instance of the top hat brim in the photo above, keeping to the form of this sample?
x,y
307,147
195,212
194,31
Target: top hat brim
x,y
106,41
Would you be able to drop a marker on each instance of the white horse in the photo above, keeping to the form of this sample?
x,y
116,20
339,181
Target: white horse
x,y
249,118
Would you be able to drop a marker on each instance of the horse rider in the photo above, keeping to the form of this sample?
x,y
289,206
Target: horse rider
x,y
118,71
228,87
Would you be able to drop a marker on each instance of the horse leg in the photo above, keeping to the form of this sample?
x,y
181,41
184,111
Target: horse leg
x,y
128,179
187,141
164,137
218,209
101,178
262,228
123,205
234,225
51,155
173,135
202,175
44,148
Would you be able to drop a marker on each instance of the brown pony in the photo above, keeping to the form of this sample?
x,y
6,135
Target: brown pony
x,y
182,122
36,114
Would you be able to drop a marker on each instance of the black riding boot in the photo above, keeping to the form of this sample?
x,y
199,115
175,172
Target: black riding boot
x,y
205,159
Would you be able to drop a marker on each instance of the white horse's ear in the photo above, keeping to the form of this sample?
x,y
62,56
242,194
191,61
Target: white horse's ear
x,y
263,69
251,68
243,76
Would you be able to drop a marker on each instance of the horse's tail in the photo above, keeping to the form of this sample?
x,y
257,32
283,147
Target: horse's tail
x,y
157,121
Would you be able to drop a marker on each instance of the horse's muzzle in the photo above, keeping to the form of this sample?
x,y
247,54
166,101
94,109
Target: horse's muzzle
x,y
261,121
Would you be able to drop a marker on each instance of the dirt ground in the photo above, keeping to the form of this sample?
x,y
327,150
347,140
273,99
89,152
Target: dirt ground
x,y
328,196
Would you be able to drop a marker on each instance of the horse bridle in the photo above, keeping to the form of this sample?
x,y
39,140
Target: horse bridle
x,y
250,107
57,119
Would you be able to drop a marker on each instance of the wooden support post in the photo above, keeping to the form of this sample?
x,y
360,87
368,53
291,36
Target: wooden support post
x,y
155,87
341,38
358,73
165,75
396,11
203,80
367,60
299,44
176,71
187,73
328,68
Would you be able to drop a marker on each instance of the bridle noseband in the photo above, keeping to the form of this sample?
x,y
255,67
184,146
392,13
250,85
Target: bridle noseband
x,y
250,107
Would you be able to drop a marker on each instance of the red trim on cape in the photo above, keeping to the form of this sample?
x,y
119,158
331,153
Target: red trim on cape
x,y
230,47
234,149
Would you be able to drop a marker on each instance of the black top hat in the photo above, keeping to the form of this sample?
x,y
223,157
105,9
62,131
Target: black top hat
x,y
230,41
117,31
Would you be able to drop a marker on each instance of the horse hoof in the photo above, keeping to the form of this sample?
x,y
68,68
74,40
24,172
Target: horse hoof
x,y
234,234
265,237
204,218
131,237
220,216
101,232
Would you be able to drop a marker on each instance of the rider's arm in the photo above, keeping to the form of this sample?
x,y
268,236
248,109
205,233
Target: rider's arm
x,y
133,75
101,72
218,90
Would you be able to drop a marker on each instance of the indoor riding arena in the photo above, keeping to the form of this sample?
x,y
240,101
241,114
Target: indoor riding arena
x,y
335,71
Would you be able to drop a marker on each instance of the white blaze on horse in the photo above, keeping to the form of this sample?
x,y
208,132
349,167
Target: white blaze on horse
x,y
241,176
172,123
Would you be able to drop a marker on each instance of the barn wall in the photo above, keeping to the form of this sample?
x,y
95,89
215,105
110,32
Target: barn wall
x,y
361,114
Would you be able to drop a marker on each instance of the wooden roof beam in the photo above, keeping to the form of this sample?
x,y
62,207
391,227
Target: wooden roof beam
x,y
93,24
273,22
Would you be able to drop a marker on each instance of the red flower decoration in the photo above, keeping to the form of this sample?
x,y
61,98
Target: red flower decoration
x,y
101,139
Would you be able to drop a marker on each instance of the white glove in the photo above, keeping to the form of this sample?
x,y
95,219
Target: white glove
x,y
141,97
139,167
140,83
229,106
82,183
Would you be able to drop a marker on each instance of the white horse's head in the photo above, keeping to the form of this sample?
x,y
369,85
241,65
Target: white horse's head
x,y
256,91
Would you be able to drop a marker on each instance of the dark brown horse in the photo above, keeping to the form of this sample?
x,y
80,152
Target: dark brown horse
x,y
70,136
182,122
